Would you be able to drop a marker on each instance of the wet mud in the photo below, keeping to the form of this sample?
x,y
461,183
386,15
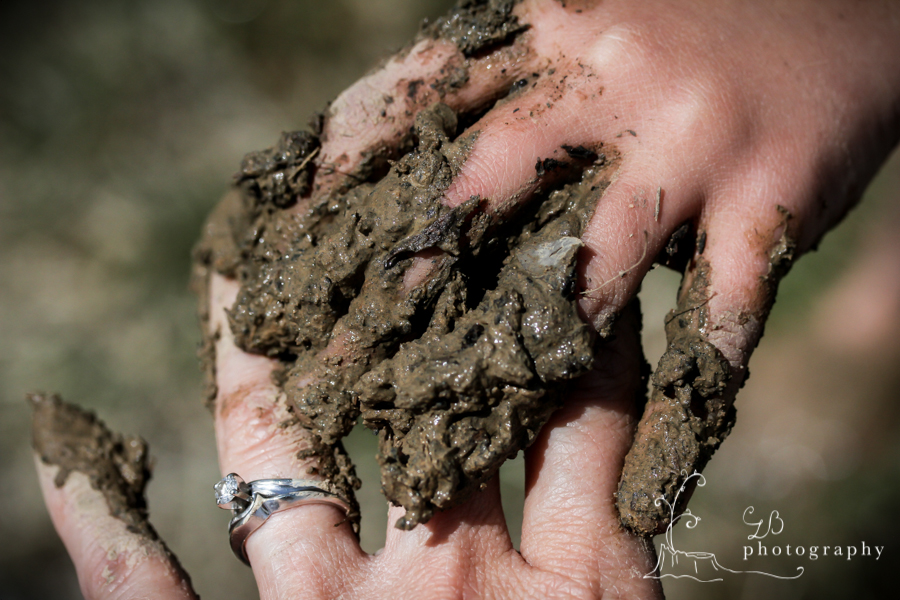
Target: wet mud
x,y
451,332
457,370
117,466
691,406
686,417
476,26
479,384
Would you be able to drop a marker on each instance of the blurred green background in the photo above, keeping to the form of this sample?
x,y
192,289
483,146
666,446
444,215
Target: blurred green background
x,y
121,123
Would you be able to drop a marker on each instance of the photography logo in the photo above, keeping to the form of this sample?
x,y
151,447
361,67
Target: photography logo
x,y
680,562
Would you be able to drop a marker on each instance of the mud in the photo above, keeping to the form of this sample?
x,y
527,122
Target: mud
x,y
324,291
687,416
477,387
476,26
339,271
781,258
76,440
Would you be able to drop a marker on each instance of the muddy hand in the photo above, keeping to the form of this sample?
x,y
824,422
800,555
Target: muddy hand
x,y
572,545
730,165
744,131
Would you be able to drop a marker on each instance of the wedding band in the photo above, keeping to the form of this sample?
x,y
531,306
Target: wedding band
x,y
252,503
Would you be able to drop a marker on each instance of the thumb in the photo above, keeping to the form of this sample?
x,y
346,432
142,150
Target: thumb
x,y
93,484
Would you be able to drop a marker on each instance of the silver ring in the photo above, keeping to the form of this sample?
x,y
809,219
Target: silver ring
x,y
252,503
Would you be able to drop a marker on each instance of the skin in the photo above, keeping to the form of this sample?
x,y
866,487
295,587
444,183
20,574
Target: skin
x,y
730,109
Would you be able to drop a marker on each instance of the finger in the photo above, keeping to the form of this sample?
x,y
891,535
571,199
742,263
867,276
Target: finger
x,y
371,119
247,409
308,551
570,525
724,300
548,134
456,550
556,105
92,481
506,163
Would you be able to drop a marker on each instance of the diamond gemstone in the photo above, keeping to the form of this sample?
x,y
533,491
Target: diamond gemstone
x,y
227,489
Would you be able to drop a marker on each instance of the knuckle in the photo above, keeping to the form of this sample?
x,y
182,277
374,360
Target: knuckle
x,y
113,571
248,401
707,113
625,48
573,584
734,334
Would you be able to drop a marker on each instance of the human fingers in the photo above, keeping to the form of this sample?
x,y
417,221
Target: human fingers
x,y
572,543
461,60
723,303
375,113
570,525
308,551
93,484
459,549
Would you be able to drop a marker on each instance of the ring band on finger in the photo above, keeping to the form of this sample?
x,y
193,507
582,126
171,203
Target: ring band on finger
x,y
254,502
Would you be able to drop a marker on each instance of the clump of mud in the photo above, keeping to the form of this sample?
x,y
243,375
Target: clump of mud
x,y
478,385
686,418
73,439
457,370
476,25
451,332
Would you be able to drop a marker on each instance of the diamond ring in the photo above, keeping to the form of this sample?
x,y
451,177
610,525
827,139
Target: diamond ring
x,y
252,503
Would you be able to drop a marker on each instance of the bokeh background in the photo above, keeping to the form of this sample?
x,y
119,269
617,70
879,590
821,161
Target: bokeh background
x,y
121,123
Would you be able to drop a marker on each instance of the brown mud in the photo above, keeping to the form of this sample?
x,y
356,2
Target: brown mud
x,y
479,384
475,353
72,439
458,372
691,406
476,26
686,417
117,466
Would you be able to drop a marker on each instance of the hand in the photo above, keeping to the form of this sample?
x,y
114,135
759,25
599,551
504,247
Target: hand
x,y
743,133
719,114
572,543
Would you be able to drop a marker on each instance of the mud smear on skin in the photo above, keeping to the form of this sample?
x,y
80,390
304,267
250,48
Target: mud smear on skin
x,y
686,417
117,466
691,406
458,373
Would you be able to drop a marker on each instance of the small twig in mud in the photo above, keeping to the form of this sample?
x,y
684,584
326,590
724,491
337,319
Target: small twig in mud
x,y
331,169
673,316
306,160
658,198
624,272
